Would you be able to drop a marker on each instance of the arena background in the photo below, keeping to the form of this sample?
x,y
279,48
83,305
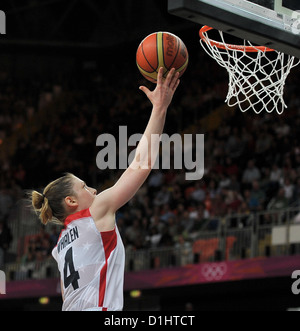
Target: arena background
x,y
68,74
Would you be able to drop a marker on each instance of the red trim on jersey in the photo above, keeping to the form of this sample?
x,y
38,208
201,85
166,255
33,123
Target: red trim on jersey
x,y
74,217
80,214
109,240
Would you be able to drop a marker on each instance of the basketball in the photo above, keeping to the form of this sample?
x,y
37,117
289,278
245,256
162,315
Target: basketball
x,y
161,49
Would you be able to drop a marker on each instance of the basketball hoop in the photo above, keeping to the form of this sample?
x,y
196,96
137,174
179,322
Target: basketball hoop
x,y
257,74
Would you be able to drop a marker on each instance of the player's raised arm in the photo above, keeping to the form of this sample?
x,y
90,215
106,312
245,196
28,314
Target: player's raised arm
x,y
109,201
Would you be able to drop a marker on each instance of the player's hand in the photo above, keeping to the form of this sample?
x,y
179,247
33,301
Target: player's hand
x,y
162,96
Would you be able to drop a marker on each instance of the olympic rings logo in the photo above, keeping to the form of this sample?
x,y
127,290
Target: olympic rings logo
x,y
214,271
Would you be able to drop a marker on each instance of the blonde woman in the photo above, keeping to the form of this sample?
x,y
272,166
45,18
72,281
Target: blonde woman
x,y
89,252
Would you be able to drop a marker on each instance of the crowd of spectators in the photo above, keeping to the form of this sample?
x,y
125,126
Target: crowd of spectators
x,y
36,250
252,162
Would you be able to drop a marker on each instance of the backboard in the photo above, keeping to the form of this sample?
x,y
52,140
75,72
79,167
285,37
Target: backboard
x,y
271,23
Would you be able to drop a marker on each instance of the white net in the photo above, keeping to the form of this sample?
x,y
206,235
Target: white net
x,y
257,75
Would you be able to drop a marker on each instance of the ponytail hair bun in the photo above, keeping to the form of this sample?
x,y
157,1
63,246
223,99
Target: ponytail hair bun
x,y
41,205
37,200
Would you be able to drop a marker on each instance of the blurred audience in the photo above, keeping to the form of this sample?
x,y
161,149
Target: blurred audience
x,y
252,162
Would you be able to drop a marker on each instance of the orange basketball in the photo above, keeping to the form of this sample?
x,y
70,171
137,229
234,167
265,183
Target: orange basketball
x,y
161,49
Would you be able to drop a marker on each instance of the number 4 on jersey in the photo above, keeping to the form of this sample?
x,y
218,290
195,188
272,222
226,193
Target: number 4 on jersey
x,y
73,274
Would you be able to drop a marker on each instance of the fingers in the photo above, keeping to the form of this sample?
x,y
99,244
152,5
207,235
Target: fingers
x,y
171,81
176,84
170,77
160,76
145,90
175,81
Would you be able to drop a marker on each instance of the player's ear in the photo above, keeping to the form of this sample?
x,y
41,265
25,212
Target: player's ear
x,y
71,201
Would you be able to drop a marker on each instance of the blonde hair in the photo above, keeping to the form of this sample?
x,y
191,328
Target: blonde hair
x,y
49,205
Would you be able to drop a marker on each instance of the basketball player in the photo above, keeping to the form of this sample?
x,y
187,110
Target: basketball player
x,y
89,252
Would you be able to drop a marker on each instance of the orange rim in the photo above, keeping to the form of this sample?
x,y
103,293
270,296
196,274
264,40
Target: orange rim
x,y
248,49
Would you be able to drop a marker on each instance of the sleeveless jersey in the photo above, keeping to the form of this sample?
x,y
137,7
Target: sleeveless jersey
x,y
91,265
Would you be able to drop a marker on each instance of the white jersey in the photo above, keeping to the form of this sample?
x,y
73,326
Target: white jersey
x,y
91,265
